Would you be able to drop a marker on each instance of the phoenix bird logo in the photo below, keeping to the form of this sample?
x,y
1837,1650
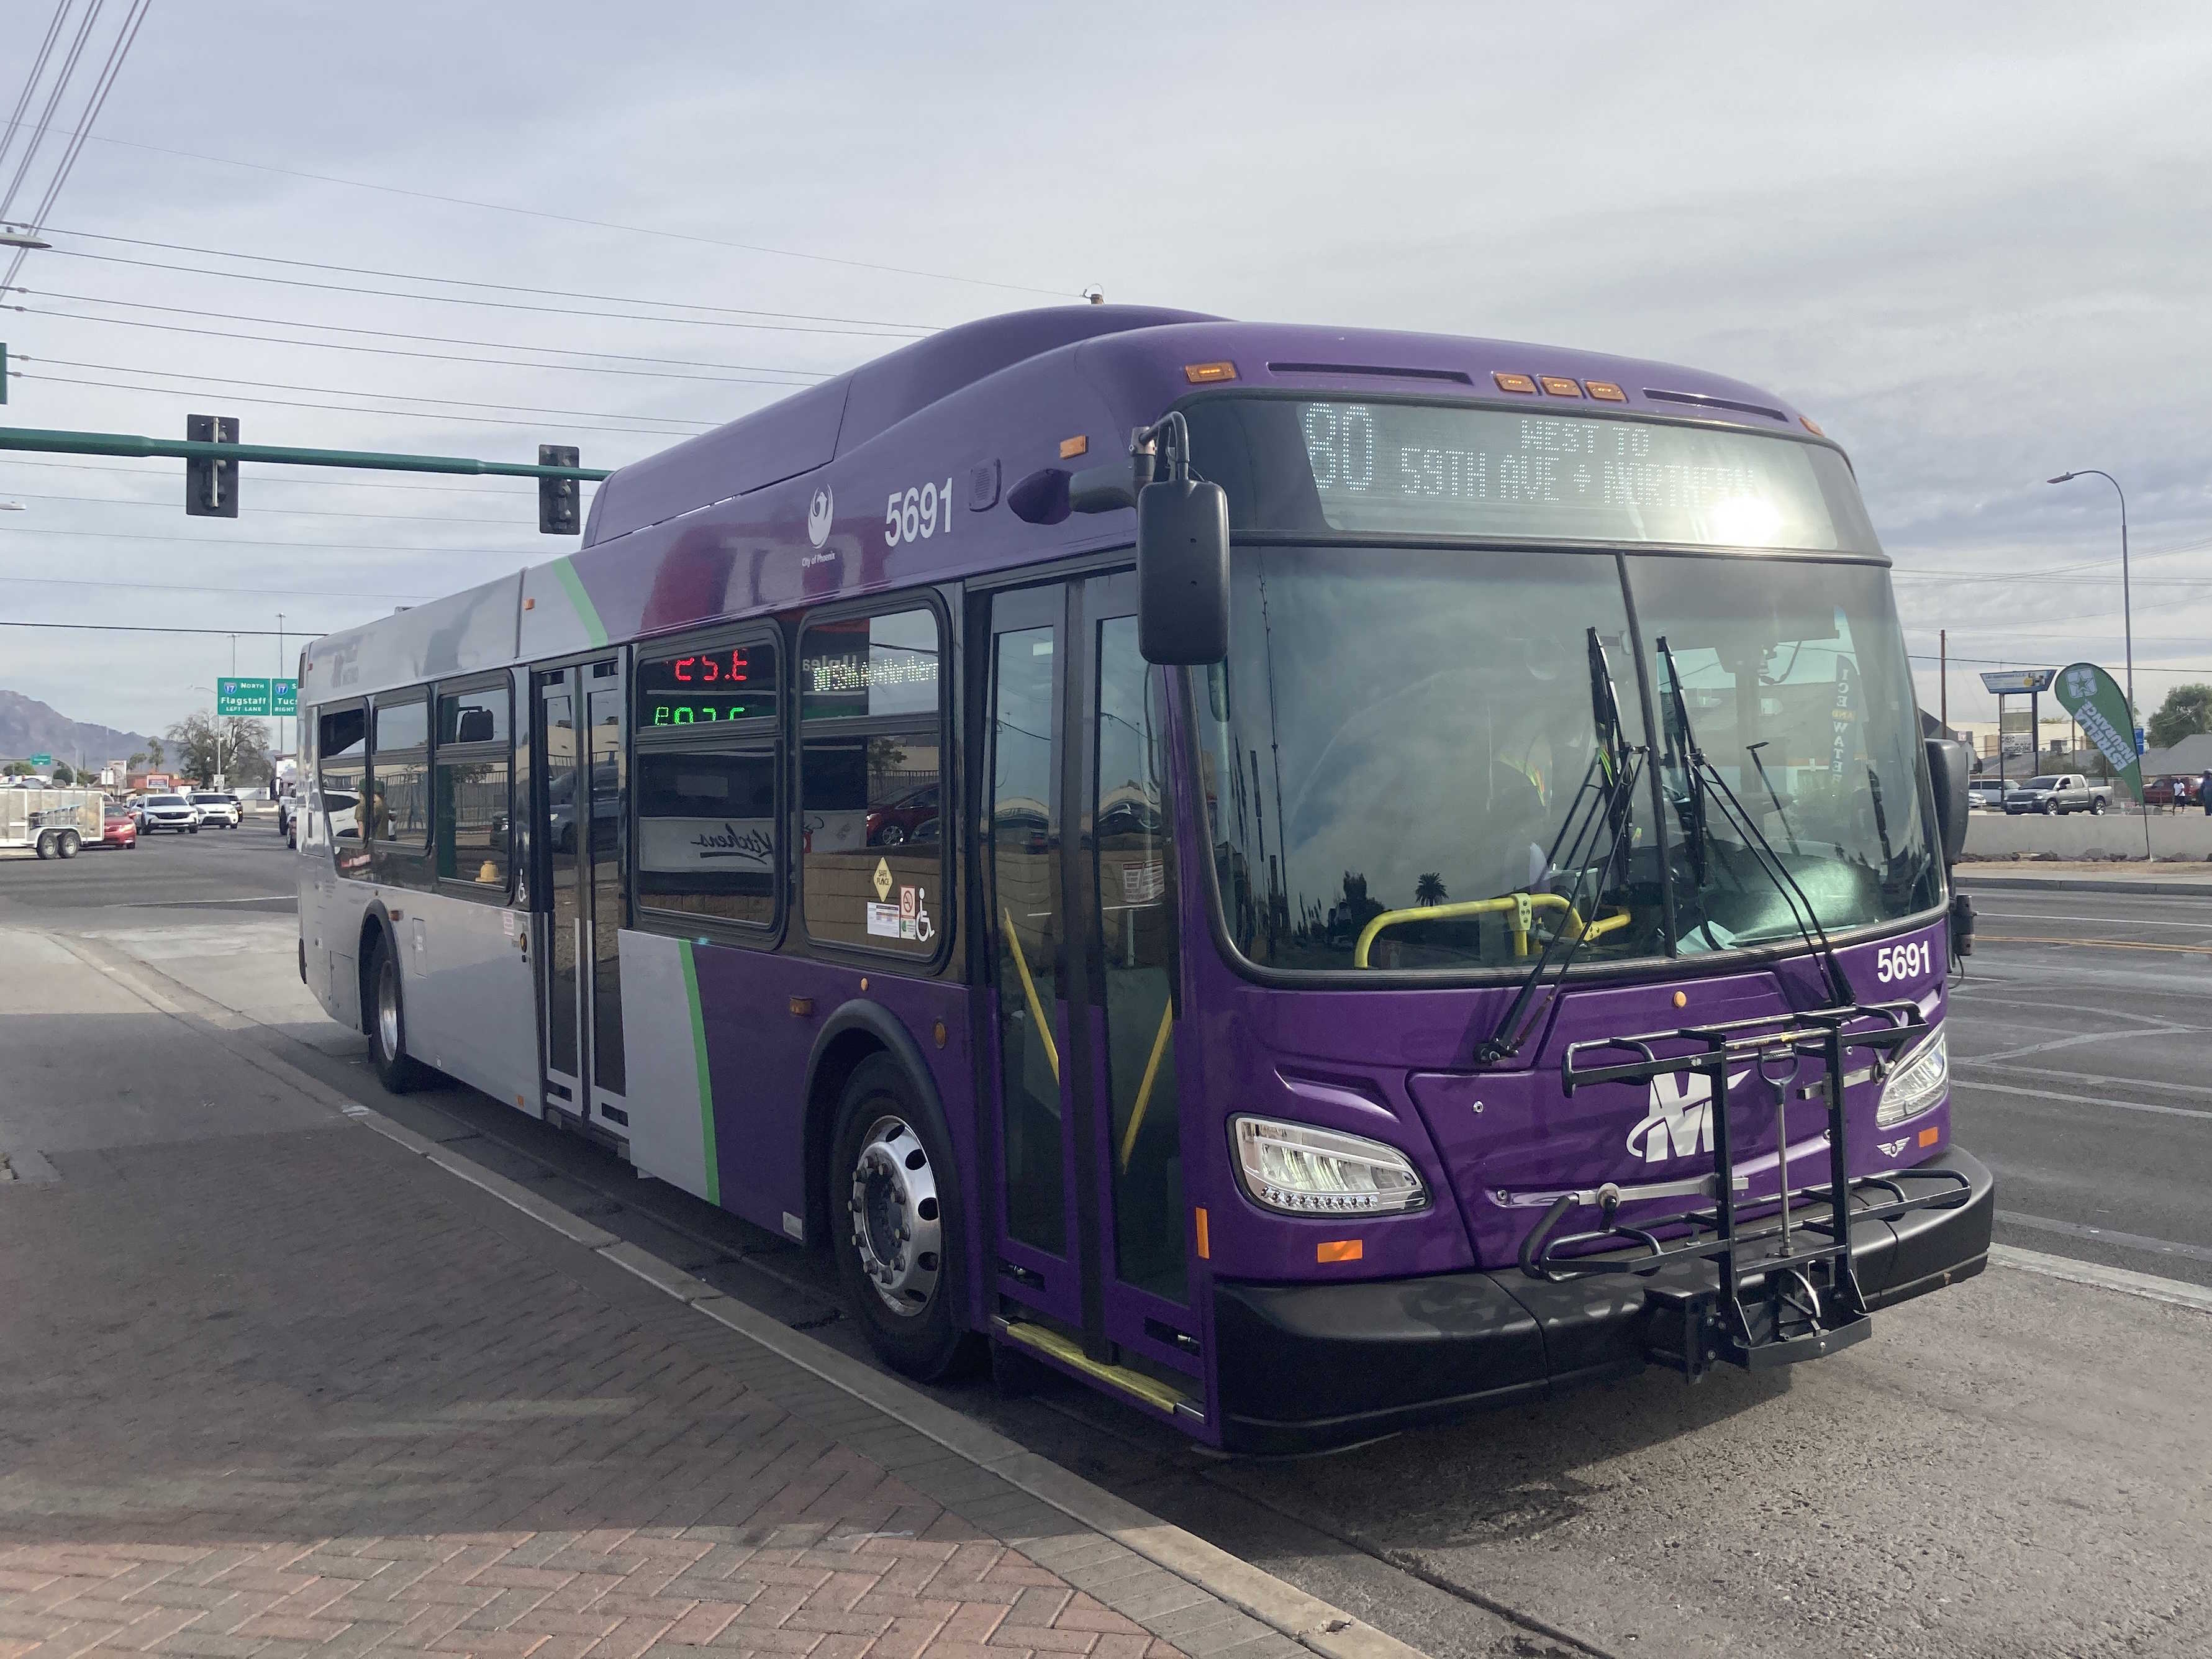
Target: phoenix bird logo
x,y
819,511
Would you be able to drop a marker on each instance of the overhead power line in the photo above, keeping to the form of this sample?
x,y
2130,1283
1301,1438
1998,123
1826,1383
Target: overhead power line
x,y
394,351
39,127
103,84
188,587
233,544
901,334
503,288
341,408
358,391
44,56
166,506
301,633
596,224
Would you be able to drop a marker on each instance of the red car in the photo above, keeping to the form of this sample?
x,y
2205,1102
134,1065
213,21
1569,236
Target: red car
x,y
118,828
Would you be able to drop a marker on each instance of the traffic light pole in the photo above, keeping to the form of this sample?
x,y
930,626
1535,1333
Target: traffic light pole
x,y
125,444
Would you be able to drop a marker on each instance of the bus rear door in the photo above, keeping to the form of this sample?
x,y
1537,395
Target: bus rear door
x,y
581,807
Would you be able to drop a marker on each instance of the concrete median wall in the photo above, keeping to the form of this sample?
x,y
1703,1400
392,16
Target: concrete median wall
x,y
2077,835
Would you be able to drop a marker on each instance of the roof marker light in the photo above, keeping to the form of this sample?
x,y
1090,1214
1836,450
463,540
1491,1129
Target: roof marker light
x,y
1811,426
1520,383
1071,447
1561,386
1201,374
1605,391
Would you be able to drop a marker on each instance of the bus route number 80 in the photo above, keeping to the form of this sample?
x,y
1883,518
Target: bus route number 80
x,y
919,513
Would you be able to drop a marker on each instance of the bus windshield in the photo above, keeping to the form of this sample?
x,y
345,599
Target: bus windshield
x,y
1408,730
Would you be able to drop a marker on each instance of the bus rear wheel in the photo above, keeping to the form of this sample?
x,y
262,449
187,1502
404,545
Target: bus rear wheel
x,y
399,1072
895,1223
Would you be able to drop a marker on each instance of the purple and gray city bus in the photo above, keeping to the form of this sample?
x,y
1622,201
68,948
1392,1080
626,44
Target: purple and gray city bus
x,y
1313,879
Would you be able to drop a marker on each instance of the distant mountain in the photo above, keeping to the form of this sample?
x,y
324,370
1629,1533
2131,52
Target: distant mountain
x,y
29,727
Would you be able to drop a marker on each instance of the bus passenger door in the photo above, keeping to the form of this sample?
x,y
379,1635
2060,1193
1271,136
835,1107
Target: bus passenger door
x,y
581,805
1092,1266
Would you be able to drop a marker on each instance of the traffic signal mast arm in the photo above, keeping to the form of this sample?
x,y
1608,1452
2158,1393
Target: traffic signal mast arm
x,y
119,443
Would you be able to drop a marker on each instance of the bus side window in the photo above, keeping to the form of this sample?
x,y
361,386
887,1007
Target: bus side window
x,y
709,821
871,791
395,812
473,801
342,757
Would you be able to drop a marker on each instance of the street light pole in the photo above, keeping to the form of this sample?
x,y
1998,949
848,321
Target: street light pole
x,y
2127,601
2127,619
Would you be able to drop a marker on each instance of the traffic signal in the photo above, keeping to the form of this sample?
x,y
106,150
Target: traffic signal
x,y
211,484
558,499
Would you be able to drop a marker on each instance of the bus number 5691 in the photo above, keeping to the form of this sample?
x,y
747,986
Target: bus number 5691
x,y
918,515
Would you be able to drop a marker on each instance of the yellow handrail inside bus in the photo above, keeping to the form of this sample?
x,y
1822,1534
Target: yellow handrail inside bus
x,y
1523,905
1144,1088
1029,990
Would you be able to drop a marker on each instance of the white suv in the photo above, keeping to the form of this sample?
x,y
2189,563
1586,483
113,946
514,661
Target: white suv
x,y
223,809
167,812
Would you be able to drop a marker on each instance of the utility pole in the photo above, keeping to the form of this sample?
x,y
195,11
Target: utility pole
x,y
1943,678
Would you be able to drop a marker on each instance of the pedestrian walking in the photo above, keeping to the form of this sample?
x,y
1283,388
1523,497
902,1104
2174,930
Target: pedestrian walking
x,y
2205,791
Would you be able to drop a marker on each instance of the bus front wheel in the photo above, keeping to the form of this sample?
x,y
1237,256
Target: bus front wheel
x,y
894,1223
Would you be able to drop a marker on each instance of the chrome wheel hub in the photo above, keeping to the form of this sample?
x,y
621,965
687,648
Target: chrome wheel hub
x,y
898,1231
387,1012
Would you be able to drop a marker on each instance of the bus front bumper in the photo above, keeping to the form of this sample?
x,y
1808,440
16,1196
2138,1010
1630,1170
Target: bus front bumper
x,y
1303,1366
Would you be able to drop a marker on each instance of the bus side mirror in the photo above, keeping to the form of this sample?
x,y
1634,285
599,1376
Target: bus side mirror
x,y
1947,766
1182,572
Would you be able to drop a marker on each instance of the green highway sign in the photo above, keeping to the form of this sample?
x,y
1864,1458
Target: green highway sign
x,y
234,697
287,697
42,760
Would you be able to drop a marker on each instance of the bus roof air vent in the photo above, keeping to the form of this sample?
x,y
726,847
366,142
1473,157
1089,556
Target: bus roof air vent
x,y
1701,400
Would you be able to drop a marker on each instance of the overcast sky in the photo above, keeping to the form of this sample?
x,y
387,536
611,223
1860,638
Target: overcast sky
x,y
1972,241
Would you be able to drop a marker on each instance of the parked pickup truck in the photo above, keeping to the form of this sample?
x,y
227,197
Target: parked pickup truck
x,y
2058,791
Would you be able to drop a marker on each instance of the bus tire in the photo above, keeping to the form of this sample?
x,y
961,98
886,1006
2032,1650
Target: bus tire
x,y
894,1223
398,1070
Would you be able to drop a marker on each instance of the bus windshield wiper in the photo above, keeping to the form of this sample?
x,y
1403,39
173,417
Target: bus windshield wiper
x,y
1603,807
1704,777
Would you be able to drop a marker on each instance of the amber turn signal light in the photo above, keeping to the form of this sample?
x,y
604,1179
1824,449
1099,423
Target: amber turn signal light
x,y
1071,447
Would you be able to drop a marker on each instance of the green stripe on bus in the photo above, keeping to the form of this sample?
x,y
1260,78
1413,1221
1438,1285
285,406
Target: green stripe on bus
x,y
706,1084
586,612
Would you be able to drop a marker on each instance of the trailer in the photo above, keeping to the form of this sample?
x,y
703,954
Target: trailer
x,y
53,822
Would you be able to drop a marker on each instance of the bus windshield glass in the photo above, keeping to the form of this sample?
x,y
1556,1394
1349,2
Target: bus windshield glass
x,y
1397,468
1409,730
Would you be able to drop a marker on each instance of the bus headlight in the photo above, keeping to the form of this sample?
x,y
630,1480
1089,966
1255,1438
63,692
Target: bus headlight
x,y
1302,1171
1918,1083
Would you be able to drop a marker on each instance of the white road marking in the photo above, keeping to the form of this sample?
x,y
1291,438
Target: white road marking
x,y
2043,1224
2077,1100
2109,1082
2117,921
2177,1293
2075,1041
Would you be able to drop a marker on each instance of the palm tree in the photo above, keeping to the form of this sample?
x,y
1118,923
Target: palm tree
x,y
1429,889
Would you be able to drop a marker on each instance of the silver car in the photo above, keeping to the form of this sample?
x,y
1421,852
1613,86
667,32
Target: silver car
x,y
167,812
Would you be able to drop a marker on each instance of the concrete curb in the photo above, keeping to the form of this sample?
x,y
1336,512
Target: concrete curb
x,y
1313,1624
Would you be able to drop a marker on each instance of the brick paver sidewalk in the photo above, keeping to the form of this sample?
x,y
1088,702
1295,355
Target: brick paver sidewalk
x,y
277,1387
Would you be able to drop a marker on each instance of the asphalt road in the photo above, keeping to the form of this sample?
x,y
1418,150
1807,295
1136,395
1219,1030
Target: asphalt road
x,y
2081,1059
2016,1466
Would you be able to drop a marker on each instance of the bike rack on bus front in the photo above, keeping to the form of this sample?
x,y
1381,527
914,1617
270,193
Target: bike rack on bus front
x,y
1804,1302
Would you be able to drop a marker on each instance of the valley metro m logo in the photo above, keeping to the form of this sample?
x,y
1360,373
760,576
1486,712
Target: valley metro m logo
x,y
1681,1121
